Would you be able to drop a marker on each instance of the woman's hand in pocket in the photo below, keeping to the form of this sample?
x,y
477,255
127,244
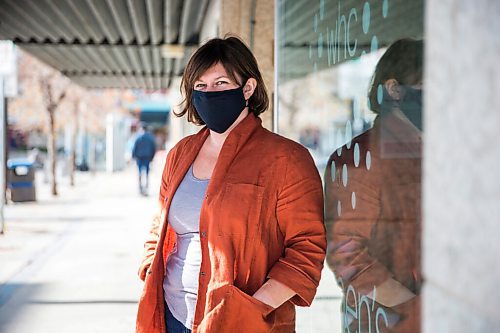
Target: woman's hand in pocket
x,y
273,293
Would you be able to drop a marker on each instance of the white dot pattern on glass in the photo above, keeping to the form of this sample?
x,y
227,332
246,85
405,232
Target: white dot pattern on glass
x,y
353,200
368,160
344,175
385,8
380,94
339,208
374,45
356,155
366,17
333,171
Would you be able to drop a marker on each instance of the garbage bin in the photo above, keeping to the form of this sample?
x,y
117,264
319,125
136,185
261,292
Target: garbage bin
x,y
21,180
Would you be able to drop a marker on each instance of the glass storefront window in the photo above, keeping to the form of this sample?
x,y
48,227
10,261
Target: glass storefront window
x,y
350,90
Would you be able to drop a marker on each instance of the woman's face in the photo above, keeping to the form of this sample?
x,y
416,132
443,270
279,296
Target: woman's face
x,y
215,79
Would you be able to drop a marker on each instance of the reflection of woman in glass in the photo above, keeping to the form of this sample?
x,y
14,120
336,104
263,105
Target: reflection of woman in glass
x,y
240,239
373,202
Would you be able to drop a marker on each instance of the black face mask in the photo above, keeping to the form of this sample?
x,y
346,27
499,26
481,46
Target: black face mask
x,y
411,105
219,109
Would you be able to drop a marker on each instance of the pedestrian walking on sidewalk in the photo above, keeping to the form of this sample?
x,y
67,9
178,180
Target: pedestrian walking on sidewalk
x,y
143,152
239,238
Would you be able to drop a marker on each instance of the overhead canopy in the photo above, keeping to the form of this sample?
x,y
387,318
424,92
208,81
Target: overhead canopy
x,y
107,43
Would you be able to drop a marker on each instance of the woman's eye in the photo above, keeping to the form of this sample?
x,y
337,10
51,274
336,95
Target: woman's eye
x,y
199,86
220,83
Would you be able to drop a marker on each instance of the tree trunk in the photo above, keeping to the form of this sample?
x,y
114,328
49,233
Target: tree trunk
x,y
72,157
72,160
52,151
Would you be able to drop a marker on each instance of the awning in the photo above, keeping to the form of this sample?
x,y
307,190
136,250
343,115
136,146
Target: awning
x,y
107,43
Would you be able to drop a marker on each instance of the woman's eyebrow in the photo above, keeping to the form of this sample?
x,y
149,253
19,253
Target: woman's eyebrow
x,y
219,77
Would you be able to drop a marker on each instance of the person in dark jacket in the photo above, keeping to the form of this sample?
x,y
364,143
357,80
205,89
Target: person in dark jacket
x,y
143,152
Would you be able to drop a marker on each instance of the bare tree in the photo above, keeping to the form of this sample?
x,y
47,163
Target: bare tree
x,y
37,108
51,102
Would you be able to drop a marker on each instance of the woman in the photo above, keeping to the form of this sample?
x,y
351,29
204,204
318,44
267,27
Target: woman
x,y
372,196
239,240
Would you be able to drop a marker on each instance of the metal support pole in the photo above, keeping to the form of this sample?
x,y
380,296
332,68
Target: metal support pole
x,y
277,42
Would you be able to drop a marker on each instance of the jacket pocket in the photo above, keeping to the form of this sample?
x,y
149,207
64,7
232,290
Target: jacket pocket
x,y
232,310
261,307
245,313
240,209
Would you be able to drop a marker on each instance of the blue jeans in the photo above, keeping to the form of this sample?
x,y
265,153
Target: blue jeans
x,y
143,167
173,325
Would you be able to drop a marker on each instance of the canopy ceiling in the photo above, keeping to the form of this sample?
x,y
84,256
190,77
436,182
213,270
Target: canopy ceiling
x,y
106,43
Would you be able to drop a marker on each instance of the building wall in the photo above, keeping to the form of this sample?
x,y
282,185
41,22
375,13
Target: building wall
x,y
462,159
236,18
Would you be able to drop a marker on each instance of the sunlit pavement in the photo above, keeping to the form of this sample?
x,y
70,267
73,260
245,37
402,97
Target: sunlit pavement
x,y
69,264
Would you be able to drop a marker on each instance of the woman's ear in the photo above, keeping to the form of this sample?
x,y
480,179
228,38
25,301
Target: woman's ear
x,y
249,88
394,89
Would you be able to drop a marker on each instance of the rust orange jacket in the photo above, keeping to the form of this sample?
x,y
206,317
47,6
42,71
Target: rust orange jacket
x,y
262,218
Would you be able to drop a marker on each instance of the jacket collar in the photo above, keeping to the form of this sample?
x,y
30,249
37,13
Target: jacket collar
x,y
233,144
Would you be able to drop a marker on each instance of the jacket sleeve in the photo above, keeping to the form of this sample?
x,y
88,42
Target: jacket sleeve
x,y
300,217
153,236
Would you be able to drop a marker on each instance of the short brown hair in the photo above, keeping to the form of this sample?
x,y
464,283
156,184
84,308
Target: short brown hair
x,y
403,61
237,60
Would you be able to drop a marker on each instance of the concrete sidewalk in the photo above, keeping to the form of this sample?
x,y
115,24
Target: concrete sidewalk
x,y
69,264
